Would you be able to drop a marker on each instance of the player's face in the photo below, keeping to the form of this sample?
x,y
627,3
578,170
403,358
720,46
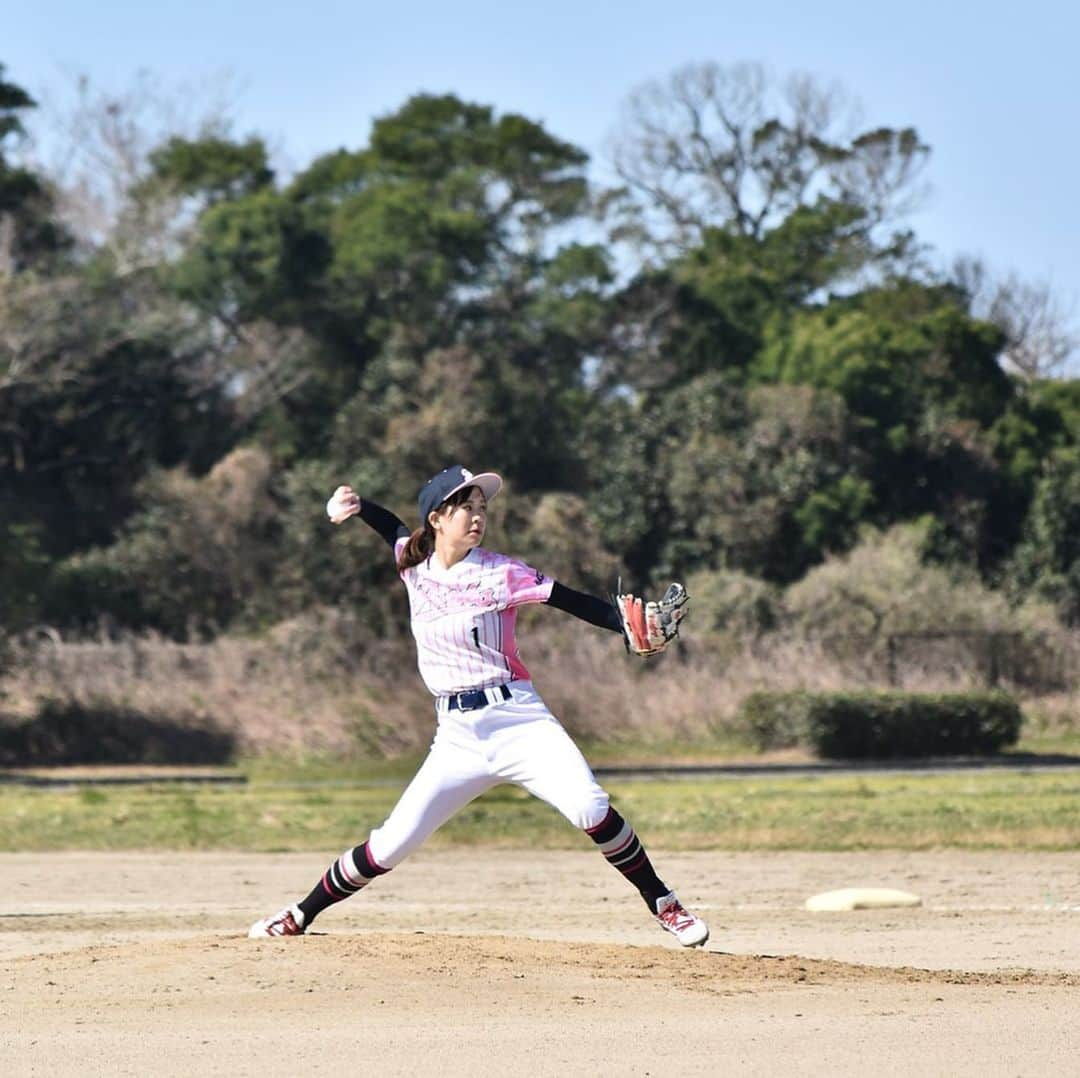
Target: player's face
x,y
463,525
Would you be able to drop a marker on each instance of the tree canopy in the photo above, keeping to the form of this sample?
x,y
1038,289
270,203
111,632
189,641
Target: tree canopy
x,y
760,374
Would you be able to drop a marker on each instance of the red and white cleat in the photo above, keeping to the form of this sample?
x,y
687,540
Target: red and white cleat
x,y
688,929
289,922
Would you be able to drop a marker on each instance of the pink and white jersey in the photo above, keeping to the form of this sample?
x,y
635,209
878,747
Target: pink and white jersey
x,y
463,618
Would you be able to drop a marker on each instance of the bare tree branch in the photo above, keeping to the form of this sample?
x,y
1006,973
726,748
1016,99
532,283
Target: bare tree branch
x,y
1041,334
270,362
95,150
728,147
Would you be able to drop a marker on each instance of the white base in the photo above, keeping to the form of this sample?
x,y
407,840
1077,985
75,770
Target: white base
x,y
861,898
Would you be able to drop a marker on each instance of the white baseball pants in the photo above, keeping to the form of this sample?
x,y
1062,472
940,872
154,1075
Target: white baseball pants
x,y
517,741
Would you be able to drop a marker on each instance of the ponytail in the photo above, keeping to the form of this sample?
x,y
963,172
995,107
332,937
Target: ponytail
x,y
418,547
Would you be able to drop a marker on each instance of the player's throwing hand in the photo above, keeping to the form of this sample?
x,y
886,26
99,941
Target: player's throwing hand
x,y
344,503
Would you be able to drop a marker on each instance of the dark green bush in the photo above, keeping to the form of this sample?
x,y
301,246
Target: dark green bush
x,y
882,725
776,720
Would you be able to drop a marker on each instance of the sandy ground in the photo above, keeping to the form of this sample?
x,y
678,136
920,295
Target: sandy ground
x,y
516,963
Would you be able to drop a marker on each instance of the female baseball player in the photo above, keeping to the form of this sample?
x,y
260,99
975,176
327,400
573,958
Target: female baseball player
x,y
492,726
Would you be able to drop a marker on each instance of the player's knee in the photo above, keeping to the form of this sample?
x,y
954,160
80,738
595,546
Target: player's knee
x,y
591,811
387,851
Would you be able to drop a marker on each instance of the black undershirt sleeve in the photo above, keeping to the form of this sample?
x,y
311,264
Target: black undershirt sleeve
x,y
587,607
389,526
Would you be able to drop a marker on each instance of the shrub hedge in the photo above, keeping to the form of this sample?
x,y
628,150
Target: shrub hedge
x,y
882,725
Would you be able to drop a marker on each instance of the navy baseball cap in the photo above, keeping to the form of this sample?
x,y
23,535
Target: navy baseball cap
x,y
449,481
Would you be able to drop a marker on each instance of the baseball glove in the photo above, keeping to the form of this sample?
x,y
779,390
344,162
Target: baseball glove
x,y
649,627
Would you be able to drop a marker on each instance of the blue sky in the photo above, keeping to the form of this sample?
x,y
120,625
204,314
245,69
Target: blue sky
x,y
993,88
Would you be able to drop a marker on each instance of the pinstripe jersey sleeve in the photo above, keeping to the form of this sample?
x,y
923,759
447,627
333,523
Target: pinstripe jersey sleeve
x,y
464,619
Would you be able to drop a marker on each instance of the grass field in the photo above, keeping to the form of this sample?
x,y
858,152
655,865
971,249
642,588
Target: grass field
x,y
317,809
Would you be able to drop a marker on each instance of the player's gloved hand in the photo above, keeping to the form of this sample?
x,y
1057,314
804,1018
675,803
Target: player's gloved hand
x,y
648,627
343,503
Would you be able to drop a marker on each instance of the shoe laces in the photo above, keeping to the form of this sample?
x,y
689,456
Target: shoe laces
x,y
677,917
285,925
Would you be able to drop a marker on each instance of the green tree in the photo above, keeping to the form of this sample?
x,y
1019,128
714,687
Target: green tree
x,y
30,234
101,380
1041,418
921,382
713,476
769,497
393,253
210,169
751,199
1046,564
709,307
24,572
197,556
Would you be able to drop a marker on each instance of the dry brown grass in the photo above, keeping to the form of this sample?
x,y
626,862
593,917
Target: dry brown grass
x,y
322,687
270,694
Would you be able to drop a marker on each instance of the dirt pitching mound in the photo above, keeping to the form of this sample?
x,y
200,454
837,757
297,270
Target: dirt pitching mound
x,y
502,962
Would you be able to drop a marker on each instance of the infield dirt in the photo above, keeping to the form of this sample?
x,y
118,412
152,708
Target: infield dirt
x,y
506,962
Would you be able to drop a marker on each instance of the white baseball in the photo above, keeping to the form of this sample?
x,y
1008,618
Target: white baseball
x,y
342,505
